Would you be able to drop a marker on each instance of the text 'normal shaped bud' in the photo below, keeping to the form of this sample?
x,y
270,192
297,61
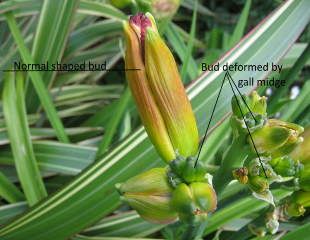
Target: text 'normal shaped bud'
x,y
149,194
158,91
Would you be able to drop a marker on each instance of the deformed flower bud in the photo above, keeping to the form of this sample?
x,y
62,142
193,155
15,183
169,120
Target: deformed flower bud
x,y
186,171
254,102
150,194
276,135
297,203
258,184
302,152
284,166
241,174
194,201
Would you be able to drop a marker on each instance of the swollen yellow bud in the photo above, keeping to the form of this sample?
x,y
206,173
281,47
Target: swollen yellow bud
x,y
193,201
277,137
158,91
150,194
298,202
302,152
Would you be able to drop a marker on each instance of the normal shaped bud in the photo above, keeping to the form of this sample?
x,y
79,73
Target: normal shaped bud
x,y
150,194
193,202
156,86
276,137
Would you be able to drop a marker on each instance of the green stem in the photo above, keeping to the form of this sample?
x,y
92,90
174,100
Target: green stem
x,y
191,232
233,158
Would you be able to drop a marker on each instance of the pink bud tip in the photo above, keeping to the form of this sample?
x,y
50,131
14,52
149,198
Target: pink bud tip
x,y
142,22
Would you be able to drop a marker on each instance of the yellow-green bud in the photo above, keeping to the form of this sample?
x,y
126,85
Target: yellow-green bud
x,y
274,135
193,201
284,166
294,210
150,194
156,86
297,203
186,171
258,103
258,184
254,102
302,152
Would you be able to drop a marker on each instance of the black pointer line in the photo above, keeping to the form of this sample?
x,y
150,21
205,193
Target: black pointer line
x,y
260,161
241,96
206,132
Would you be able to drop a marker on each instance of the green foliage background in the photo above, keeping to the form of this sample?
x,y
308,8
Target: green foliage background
x,y
68,137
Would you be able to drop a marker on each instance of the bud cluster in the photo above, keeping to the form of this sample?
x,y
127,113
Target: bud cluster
x,y
181,190
273,140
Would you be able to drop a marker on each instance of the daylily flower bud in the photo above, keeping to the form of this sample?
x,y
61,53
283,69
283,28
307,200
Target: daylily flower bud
x,y
258,184
297,203
158,91
302,152
150,194
284,166
241,174
254,102
275,136
237,103
194,201
258,103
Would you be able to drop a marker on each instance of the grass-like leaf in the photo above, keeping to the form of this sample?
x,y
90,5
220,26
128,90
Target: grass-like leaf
x,y
17,125
9,191
37,81
50,40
